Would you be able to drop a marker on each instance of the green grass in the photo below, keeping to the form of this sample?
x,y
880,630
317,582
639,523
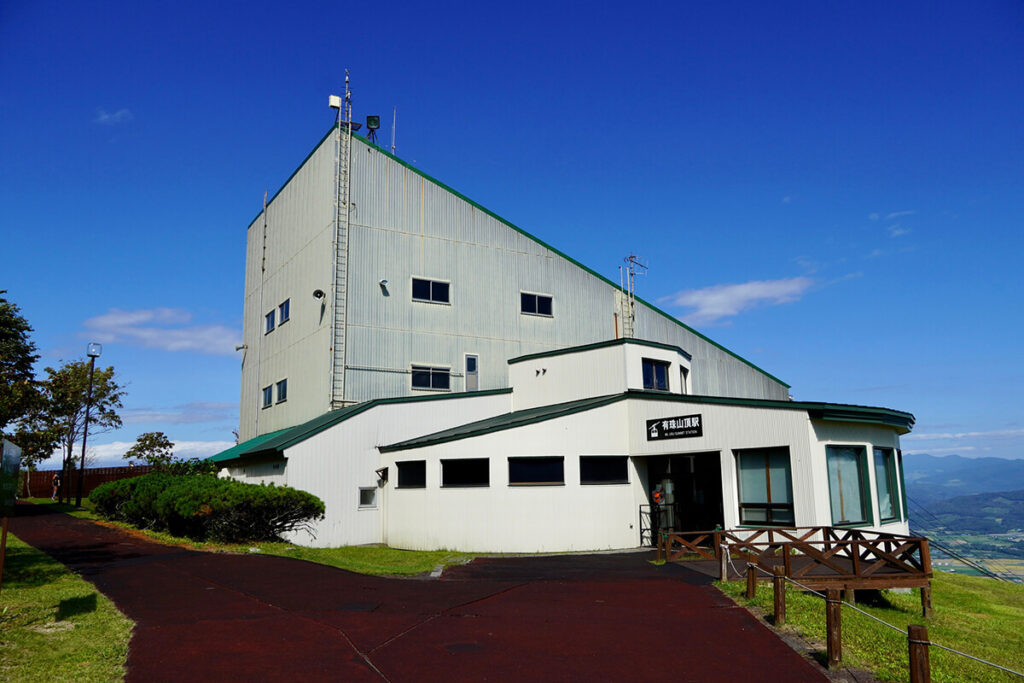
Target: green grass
x,y
373,560
979,616
55,626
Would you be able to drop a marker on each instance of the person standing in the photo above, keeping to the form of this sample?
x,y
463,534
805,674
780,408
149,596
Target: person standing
x,y
56,485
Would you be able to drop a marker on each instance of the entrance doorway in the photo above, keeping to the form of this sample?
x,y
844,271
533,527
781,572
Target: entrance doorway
x,y
691,490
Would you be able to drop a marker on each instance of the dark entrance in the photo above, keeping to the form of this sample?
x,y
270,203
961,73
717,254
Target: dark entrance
x,y
691,487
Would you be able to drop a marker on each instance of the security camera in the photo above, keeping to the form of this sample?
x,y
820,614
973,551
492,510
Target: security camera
x,y
318,294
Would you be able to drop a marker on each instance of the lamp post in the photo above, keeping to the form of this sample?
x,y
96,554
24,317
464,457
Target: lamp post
x,y
93,352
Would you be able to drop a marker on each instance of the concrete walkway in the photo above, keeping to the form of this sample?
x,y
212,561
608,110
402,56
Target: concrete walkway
x,y
204,616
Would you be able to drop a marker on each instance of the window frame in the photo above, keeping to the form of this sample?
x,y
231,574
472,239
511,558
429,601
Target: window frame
x,y
536,303
269,324
655,363
864,485
371,506
892,481
284,312
431,281
769,507
399,467
446,461
415,368
268,396
603,482
281,384
518,459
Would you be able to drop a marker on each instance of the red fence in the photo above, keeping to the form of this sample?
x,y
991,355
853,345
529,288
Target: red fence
x,y
40,484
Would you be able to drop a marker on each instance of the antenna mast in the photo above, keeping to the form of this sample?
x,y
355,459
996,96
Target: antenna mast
x,y
394,124
627,298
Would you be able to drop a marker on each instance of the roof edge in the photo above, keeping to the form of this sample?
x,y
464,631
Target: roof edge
x,y
597,345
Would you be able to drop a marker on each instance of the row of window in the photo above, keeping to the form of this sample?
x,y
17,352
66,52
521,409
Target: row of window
x,y
522,471
278,316
439,292
766,486
282,393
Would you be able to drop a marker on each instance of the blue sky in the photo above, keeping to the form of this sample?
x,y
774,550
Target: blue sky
x,y
832,191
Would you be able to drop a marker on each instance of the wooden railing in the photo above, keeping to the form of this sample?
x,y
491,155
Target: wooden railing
x,y
818,557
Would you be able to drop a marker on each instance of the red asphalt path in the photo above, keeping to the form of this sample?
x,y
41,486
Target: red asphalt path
x,y
203,616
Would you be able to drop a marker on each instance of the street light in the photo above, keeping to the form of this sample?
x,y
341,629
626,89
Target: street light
x,y
93,351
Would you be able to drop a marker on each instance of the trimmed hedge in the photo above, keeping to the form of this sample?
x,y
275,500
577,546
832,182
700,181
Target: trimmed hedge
x,y
204,507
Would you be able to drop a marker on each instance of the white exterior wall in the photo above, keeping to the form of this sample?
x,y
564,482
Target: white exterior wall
x,y
504,518
335,463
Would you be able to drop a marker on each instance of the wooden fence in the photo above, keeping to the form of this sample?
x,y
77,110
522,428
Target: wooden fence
x,y
39,484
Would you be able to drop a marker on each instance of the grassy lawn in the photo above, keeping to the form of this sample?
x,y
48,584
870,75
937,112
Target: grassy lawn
x,y
982,617
374,560
55,626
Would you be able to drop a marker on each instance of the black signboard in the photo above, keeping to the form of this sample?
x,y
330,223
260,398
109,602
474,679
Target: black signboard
x,y
682,427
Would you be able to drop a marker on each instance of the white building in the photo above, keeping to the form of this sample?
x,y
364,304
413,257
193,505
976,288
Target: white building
x,y
442,379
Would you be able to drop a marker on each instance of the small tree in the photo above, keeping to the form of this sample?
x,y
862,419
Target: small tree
x,y
153,448
18,390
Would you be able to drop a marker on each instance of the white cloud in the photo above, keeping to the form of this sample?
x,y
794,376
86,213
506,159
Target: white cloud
x,y
787,199
105,118
937,451
714,303
161,328
897,230
188,413
112,454
873,216
995,433
897,214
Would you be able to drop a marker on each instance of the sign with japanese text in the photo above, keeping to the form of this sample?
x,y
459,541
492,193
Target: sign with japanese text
x,y
682,427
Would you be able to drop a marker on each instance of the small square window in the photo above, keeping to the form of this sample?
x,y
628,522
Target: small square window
x,y
268,396
655,374
412,474
282,391
283,311
368,497
270,323
535,304
426,377
433,291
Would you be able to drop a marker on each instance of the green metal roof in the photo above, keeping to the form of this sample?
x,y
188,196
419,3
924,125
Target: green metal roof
x,y
536,239
599,345
286,438
815,410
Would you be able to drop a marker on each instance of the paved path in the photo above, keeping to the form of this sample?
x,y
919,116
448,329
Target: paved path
x,y
206,616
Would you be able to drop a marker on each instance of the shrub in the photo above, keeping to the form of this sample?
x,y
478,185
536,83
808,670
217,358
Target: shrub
x,y
205,507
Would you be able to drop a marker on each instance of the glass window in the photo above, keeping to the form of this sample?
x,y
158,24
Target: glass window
x,y
283,311
544,470
433,291
846,481
655,374
412,474
282,391
885,480
426,377
270,323
268,396
766,486
368,497
535,304
463,473
604,469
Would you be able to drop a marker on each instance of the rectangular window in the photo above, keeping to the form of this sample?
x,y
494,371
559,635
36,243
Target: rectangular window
x,y
604,469
268,396
885,479
282,391
537,471
847,470
433,291
426,377
368,497
683,374
412,474
284,311
535,304
766,487
464,473
270,323
655,374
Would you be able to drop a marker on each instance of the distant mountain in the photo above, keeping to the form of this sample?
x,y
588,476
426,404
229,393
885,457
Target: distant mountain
x,y
931,479
983,513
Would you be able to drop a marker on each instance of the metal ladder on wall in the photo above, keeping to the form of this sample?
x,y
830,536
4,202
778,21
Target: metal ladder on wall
x,y
342,201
